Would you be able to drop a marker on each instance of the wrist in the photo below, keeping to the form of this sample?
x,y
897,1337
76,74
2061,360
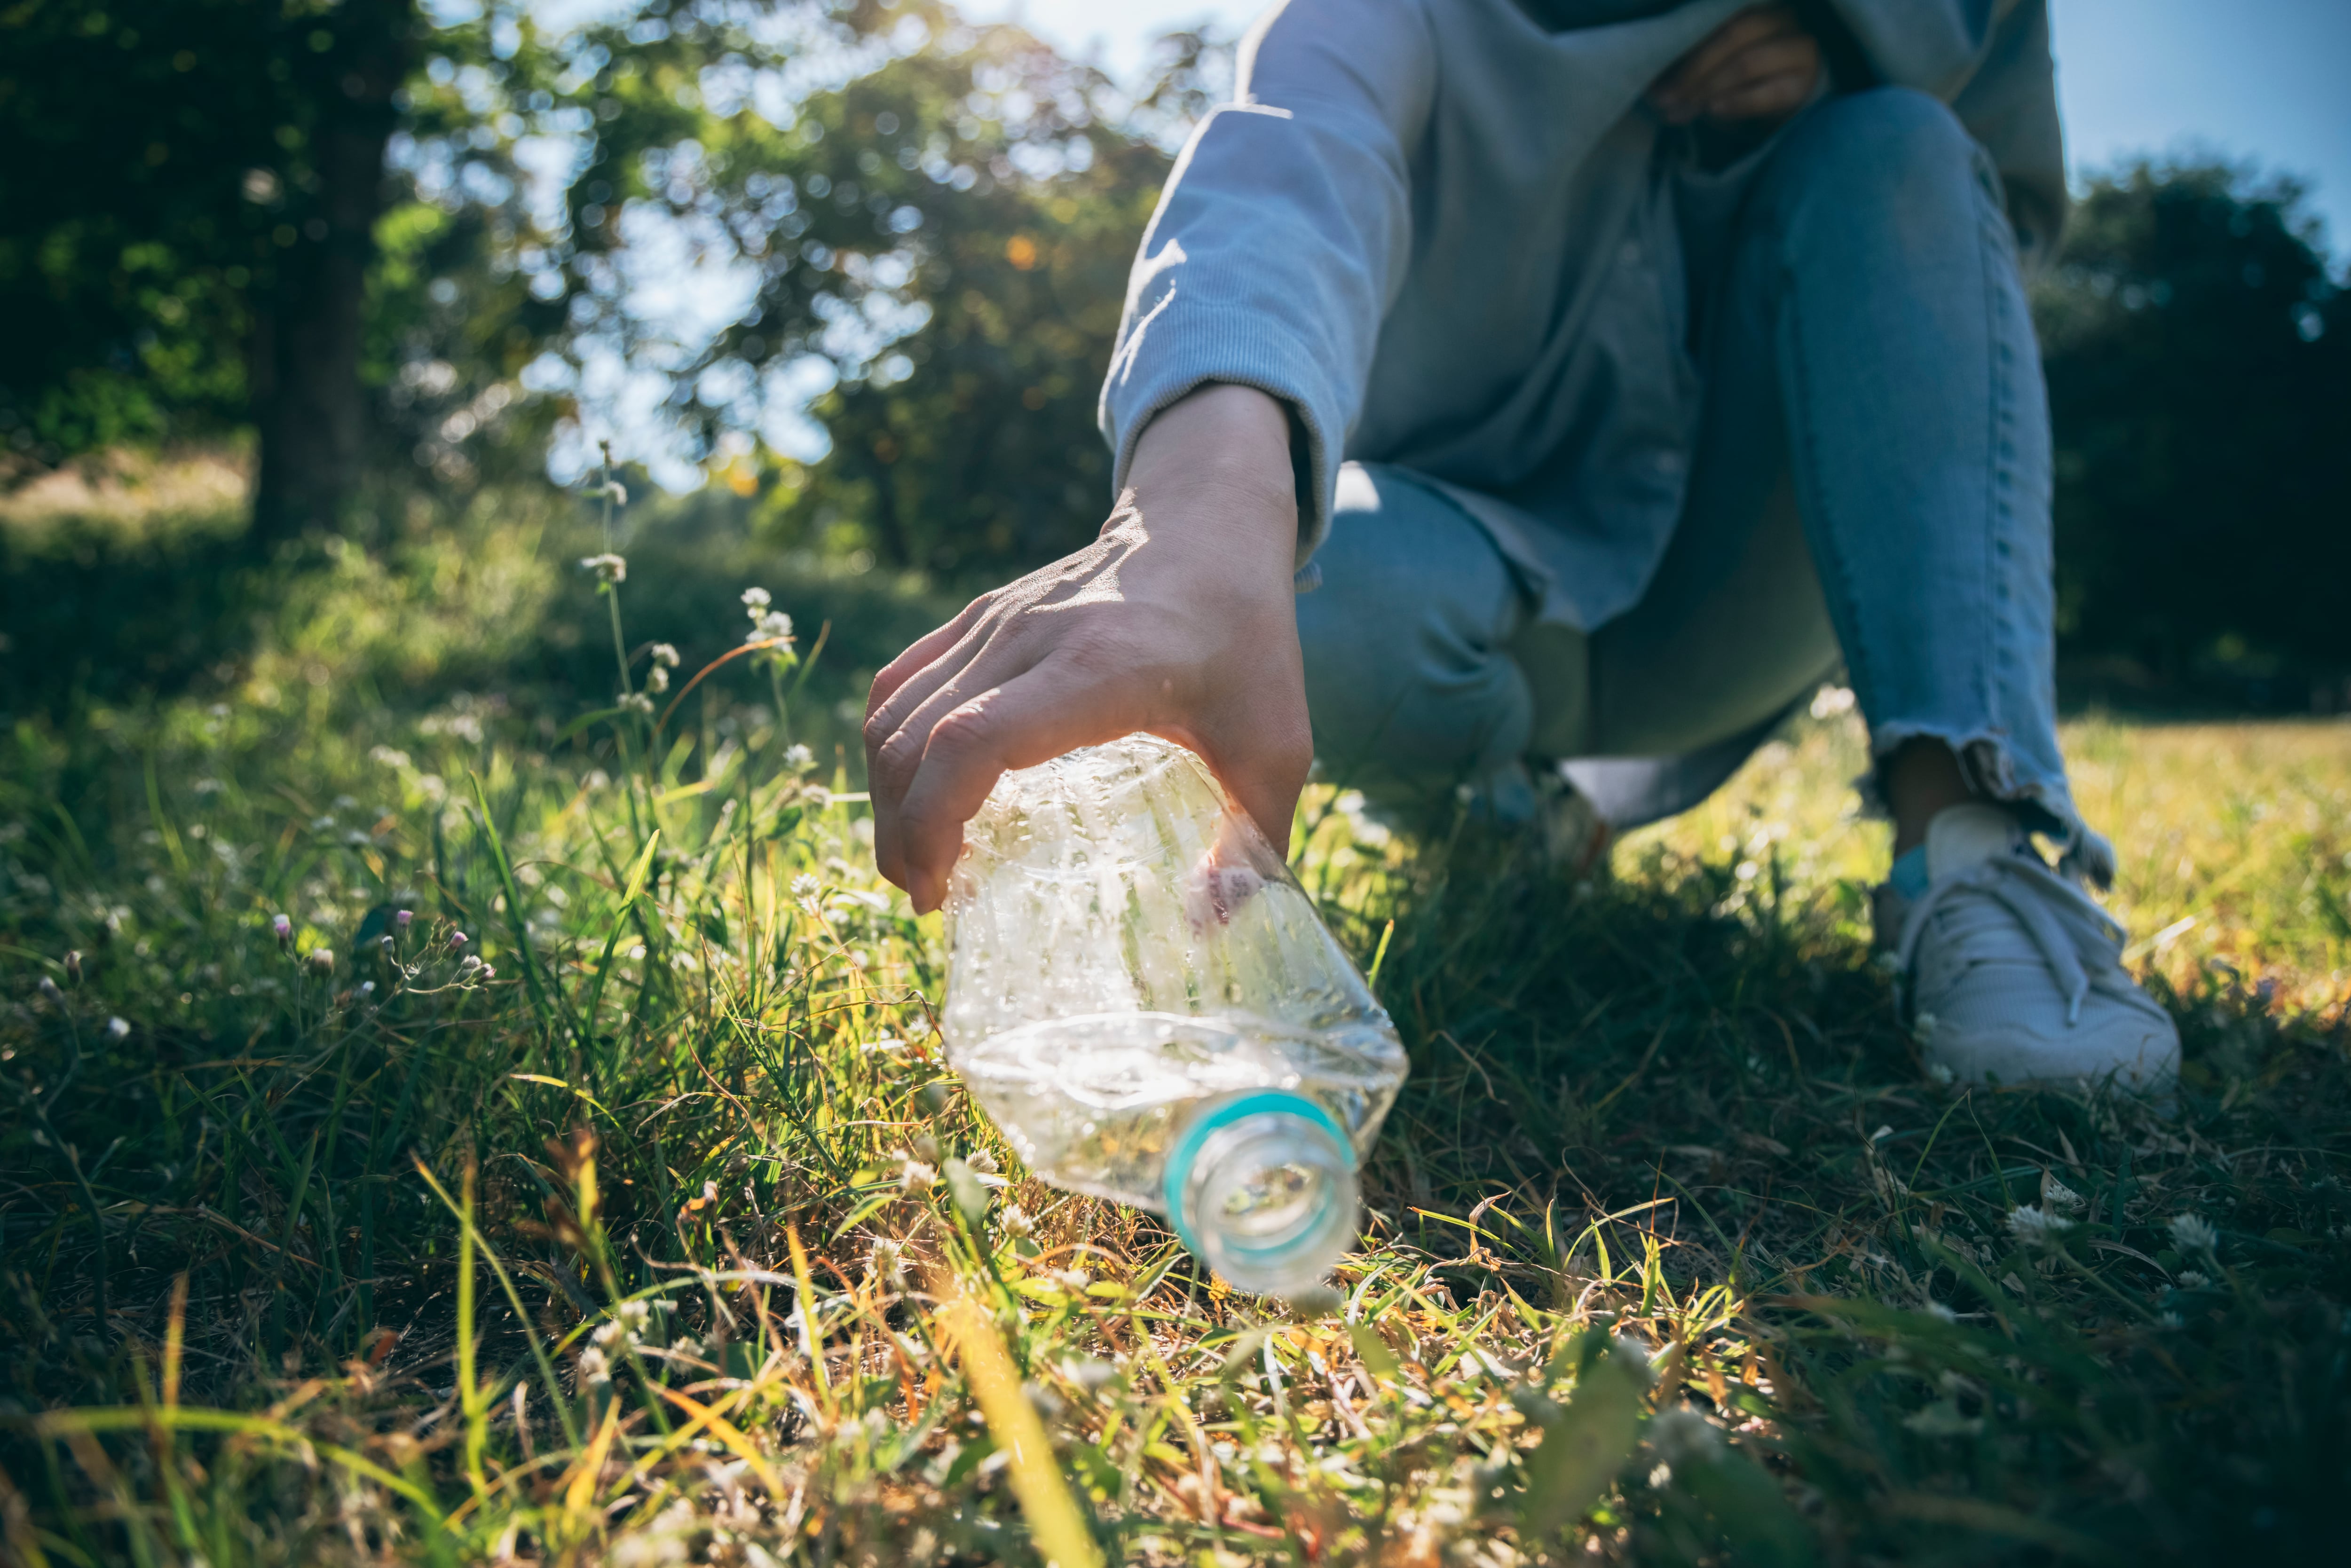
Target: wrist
x,y
1218,460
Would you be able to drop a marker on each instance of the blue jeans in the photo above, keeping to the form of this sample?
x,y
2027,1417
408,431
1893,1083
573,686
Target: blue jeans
x,y
1871,485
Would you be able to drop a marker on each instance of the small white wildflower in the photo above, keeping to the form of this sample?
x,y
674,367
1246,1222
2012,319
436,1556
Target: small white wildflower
x,y
608,568
635,1315
769,624
2169,1321
889,1261
916,1176
2037,1228
118,1029
981,1161
2194,1278
2058,1196
1830,702
664,655
48,989
1941,1072
805,886
322,960
657,679
594,1367
1072,1279
618,491
1088,1371
1938,1310
634,701
756,599
798,758
473,961
608,1335
2193,1233
1015,1221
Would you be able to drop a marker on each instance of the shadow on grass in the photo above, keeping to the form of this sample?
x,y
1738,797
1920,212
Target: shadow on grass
x,y
1987,1336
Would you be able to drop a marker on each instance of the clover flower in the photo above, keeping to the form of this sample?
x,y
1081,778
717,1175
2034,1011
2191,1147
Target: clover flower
x,y
608,567
2193,1233
664,657
657,679
2036,1227
594,1367
756,599
634,702
769,624
804,886
798,758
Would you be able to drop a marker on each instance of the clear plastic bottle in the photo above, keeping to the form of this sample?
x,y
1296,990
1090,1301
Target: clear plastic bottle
x,y
1149,1006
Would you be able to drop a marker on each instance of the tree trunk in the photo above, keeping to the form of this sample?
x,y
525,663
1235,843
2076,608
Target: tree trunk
x,y
308,406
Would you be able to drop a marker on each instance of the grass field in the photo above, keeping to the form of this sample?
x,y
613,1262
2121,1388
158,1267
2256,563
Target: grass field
x,y
644,1223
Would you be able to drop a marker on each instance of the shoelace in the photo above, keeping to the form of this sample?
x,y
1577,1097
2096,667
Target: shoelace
x,y
2061,921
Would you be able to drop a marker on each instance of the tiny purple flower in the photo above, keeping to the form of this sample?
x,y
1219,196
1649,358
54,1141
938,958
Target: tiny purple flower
x,y
400,918
489,972
456,940
283,926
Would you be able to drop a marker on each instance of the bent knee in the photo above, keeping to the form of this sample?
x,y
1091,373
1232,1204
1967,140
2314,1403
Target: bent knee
x,y
1884,140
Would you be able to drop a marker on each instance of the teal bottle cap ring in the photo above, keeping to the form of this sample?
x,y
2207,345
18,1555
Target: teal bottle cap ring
x,y
1258,1103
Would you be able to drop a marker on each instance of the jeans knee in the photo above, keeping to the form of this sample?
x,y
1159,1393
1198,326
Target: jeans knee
x,y
1880,147
1406,676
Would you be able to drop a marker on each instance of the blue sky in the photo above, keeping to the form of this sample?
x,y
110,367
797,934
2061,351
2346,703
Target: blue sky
x,y
2265,79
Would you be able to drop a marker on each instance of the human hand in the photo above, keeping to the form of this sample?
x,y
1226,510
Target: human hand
x,y
1178,619
1760,65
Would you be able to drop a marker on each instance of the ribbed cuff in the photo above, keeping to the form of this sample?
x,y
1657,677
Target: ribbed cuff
x,y
1171,351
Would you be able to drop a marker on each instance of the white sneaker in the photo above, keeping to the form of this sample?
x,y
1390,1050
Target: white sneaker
x,y
2011,973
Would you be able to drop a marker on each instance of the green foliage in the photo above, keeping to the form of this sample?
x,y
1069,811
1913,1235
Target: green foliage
x,y
160,168
2199,359
952,232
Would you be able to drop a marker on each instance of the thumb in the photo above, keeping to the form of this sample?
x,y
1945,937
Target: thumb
x,y
1262,759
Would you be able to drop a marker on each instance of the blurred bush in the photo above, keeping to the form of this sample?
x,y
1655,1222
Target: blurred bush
x,y
2199,356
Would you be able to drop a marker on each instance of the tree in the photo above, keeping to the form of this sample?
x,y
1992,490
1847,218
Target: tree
x,y
949,235
2199,357
189,214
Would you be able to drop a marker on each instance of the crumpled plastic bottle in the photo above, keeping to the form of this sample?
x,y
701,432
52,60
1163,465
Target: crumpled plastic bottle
x,y
1149,1006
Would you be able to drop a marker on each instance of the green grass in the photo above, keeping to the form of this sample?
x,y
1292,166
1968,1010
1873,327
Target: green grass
x,y
1673,1253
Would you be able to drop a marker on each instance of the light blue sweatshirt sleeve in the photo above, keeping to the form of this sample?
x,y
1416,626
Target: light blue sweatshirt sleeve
x,y
1282,233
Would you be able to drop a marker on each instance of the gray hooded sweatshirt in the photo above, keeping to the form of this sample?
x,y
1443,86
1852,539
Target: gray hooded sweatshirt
x,y
1451,235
